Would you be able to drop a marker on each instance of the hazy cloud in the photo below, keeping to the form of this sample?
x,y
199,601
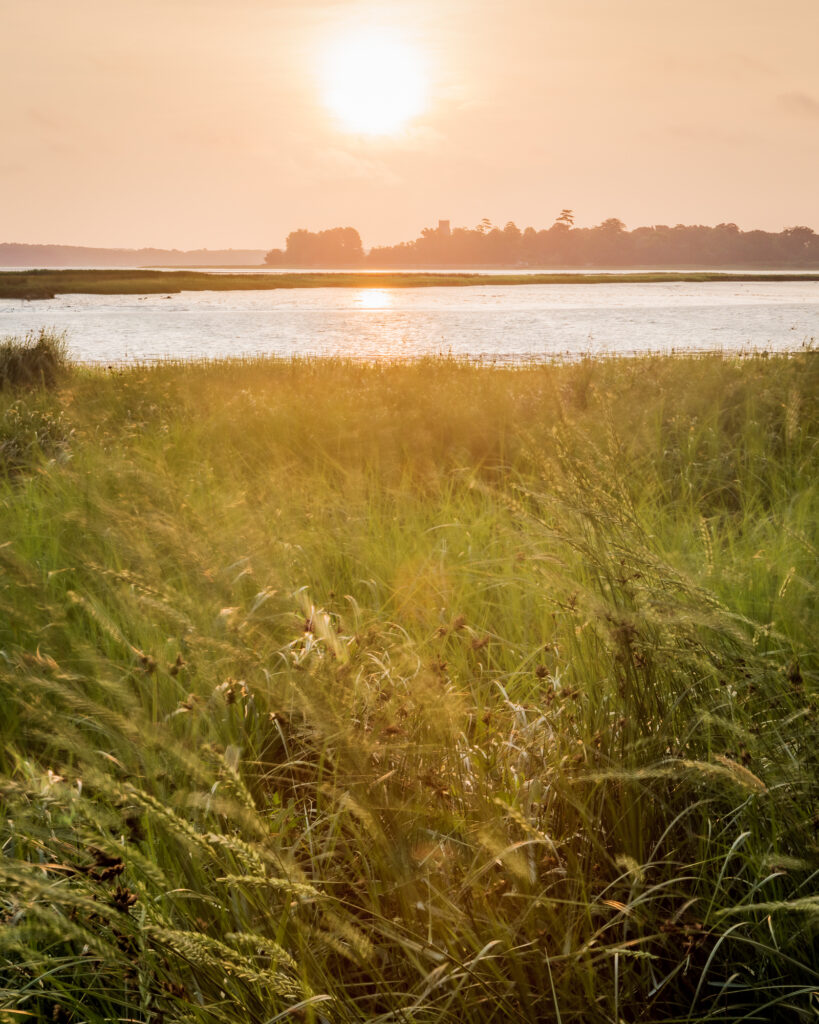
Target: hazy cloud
x,y
711,135
337,164
799,103
752,66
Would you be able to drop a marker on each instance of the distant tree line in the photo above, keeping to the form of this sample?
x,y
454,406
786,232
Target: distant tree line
x,y
23,254
561,245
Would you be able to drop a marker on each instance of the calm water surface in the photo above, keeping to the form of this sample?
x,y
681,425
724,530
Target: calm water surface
x,y
500,322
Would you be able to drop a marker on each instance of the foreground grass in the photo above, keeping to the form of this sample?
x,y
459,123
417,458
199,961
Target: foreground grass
x,y
45,284
415,693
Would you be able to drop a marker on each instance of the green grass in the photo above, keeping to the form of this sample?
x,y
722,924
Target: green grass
x,y
45,284
36,361
416,693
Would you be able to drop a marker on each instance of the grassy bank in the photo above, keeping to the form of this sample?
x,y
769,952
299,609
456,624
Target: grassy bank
x,y
413,693
45,284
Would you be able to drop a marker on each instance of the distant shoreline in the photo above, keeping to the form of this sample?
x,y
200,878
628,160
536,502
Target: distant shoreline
x,y
46,284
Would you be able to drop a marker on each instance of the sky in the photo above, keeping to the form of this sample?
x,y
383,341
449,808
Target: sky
x,y
212,123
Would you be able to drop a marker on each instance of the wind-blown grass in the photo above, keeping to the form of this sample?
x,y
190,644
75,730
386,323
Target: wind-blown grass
x,y
428,692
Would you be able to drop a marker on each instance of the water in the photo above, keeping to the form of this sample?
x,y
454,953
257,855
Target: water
x,y
497,322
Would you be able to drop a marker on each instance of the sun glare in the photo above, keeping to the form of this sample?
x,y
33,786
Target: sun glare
x,y
373,82
373,298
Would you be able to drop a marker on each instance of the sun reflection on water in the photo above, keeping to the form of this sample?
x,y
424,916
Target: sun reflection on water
x,y
373,298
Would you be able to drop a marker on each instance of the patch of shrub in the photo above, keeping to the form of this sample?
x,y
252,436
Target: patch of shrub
x,y
27,433
38,360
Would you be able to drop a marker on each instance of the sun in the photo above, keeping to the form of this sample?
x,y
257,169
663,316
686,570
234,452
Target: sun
x,y
373,81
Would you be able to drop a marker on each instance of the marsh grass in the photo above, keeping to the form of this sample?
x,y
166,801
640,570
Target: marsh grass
x,y
46,283
32,426
38,360
428,692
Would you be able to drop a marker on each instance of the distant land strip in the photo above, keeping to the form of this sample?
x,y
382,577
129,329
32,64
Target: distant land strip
x,y
45,284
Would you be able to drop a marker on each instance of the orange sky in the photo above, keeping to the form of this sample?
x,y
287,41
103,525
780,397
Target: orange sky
x,y
194,123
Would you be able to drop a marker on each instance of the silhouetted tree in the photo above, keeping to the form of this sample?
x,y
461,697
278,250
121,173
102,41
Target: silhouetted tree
x,y
335,247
